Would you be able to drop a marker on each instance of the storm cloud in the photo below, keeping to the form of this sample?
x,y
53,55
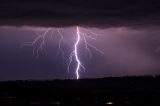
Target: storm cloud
x,y
89,13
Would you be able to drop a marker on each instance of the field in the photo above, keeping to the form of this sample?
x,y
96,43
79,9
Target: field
x,y
120,91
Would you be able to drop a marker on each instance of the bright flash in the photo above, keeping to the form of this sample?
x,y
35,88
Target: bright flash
x,y
81,36
76,54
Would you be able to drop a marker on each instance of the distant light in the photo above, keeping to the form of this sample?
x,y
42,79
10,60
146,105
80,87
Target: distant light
x,y
127,102
57,103
109,103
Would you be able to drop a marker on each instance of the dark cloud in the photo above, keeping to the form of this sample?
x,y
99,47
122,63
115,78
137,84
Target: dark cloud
x,y
99,13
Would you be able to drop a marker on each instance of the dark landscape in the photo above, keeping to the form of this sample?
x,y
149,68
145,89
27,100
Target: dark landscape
x,y
119,91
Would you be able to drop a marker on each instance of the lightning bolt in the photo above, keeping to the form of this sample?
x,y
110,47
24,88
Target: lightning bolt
x,y
76,54
83,35
39,42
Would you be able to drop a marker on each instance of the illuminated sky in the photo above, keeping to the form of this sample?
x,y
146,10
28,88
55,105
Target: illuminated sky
x,y
130,37
126,52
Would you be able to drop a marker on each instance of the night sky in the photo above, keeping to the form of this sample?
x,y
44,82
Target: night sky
x,y
129,37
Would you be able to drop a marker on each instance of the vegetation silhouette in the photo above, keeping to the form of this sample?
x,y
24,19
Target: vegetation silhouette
x,y
117,91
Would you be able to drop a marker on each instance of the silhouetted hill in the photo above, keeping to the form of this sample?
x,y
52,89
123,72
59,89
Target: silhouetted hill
x,y
119,91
